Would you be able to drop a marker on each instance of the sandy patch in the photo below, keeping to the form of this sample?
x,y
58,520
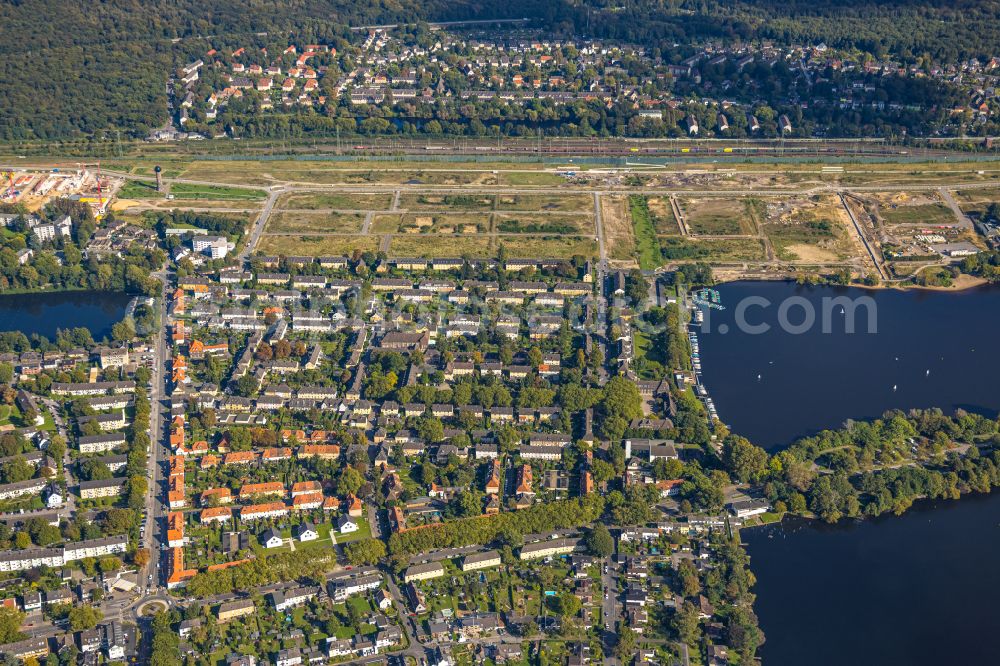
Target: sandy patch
x,y
124,204
811,254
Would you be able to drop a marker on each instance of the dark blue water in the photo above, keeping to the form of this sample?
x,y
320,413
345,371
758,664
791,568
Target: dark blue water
x,y
46,312
816,380
914,590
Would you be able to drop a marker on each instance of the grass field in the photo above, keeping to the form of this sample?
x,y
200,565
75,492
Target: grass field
x,y
387,223
515,223
317,246
559,247
438,223
10,414
648,250
334,201
716,216
527,179
438,246
138,189
332,173
935,214
662,215
188,191
447,202
576,203
712,249
319,222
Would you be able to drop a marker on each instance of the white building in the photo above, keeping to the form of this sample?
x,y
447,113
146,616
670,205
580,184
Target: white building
x,y
346,525
216,247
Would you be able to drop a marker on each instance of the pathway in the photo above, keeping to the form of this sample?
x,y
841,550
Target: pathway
x,y
960,215
258,227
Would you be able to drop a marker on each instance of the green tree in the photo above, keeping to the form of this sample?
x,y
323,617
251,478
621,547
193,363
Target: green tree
x,y
11,620
166,643
431,429
688,577
82,618
366,552
685,623
566,604
746,462
17,469
600,542
350,481
124,330
627,643
622,399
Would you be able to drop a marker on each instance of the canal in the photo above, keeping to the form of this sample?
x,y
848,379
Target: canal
x,y
44,313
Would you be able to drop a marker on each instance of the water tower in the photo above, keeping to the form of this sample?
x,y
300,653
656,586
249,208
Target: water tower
x,y
159,178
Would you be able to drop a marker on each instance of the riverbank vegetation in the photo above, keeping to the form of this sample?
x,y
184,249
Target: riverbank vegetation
x,y
871,468
985,265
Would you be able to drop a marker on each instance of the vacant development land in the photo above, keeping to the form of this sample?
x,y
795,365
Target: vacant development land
x,y
975,202
648,249
333,201
546,203
287,222
930,215
437,246
712,249
913,208
521,223
440,223
619,234
559,247
317,246
810,230
716,216
662,213
728,214
447,202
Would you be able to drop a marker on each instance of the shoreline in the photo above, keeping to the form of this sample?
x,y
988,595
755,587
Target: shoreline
x,y
962,283
921,503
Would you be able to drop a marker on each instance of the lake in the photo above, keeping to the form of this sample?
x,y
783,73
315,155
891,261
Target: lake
x,y
43,313
914,590
931,349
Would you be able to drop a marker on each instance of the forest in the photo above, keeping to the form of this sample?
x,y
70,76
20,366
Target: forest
x,y
67,70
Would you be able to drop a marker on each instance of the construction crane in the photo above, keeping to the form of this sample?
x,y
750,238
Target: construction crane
x,y
100,194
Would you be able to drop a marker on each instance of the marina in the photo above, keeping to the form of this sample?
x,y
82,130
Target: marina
x,y
697,318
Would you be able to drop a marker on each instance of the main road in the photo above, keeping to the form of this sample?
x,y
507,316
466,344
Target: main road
x,y
154,537
258,226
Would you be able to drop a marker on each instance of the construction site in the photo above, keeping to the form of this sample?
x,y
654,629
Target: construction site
x,y
33,188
